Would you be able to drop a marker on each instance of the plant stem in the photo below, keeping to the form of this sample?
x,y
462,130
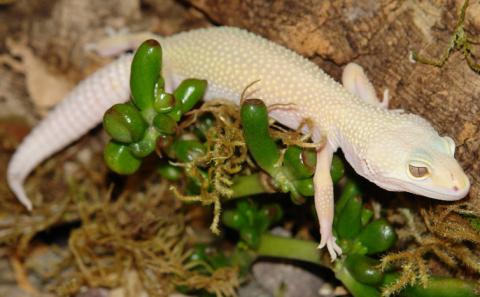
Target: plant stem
x,y
296,249
248,185
437,287
290,248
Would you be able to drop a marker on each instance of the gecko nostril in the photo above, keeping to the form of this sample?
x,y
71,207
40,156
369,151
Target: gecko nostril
x,y
455,188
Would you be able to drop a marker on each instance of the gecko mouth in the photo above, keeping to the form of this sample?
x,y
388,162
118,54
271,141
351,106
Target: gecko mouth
x,y
444,194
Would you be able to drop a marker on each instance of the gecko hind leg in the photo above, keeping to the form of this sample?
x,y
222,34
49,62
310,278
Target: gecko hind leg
x,y
116,44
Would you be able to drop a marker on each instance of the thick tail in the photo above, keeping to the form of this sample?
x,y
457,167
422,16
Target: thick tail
x,y
79,112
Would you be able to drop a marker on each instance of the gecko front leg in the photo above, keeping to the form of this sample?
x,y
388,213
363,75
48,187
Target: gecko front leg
x,y
322,180
324,200
356,81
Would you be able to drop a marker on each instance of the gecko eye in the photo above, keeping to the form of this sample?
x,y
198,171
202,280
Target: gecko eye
x,y
418,171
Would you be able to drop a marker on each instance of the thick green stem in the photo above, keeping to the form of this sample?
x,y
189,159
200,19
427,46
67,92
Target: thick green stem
x,y
145,146
437,287
148,114
290,248
248,185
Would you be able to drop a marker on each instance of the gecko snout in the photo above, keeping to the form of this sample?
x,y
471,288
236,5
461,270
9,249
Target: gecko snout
x,y
461,185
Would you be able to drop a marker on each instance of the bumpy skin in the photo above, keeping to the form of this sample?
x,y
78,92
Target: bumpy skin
x,y
380,145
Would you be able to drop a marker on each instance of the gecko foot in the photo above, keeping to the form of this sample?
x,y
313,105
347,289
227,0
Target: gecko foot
x,y
327,239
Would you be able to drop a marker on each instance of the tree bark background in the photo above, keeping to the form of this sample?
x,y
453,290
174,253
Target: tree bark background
x,y
379,35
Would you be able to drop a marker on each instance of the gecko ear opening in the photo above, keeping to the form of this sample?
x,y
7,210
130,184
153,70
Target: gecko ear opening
x,y
450,145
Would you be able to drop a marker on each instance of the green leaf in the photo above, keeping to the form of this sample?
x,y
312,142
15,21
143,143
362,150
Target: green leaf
x,y
273,212
305,187
145,73
356,288
364,269
337,170
188,150
169,171
119,158
189,92
176,112
378,236
247,209
124,123
250,236
349,221
350,190
262,147
300,162
234,219
165,124
163,102
367,215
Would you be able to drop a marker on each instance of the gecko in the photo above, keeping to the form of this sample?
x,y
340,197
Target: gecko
x,y
398,151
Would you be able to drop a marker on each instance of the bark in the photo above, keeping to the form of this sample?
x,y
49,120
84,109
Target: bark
x,y
379,35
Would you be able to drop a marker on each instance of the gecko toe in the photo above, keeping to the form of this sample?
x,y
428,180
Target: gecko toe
x,y
337,249
333,249
323,243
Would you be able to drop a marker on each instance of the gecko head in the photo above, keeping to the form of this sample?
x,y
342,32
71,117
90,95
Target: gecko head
x,y
432,171
412,157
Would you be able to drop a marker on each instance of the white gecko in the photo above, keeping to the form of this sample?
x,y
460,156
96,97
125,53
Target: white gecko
x,y
395,150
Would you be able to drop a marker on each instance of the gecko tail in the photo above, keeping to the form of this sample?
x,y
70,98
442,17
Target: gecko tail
x,y
80,111
16,185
